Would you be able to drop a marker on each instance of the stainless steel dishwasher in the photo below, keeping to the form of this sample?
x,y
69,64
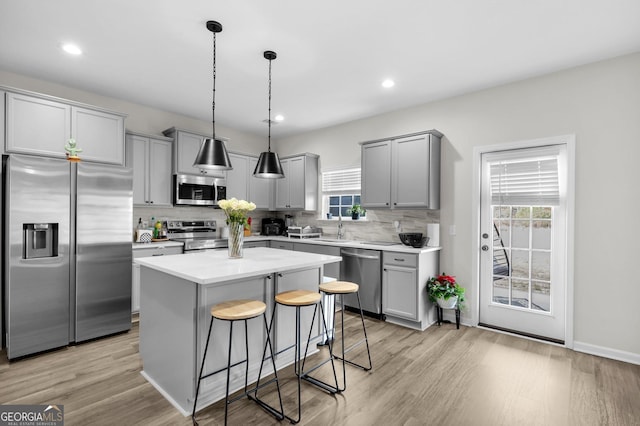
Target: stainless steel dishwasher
x,y
363,267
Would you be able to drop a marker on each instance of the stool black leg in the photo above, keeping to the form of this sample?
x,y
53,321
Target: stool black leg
x,y
329,388
277,414
204,357
246,348
226,398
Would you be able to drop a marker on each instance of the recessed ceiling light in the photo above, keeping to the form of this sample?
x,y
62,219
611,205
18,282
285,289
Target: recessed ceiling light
x,y
278,117
71,49
388,83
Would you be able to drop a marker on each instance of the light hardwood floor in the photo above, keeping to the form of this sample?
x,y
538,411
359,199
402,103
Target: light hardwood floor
x,y
441,376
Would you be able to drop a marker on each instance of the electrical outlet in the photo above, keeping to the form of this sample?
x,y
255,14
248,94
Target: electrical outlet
x,y
452,230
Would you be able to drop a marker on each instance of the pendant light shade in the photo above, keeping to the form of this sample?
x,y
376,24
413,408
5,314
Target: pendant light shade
x,y
269,166
213,154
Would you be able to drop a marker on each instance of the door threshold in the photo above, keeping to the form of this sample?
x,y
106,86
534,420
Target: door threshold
x,y
523,334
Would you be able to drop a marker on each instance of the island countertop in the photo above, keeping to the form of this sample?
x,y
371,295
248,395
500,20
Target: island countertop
x,y
215,266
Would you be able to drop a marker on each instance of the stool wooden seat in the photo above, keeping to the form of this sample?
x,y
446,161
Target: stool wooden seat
x,y
298,298
234,310
339,287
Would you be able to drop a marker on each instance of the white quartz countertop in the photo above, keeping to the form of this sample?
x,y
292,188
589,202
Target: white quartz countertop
x,y
215,266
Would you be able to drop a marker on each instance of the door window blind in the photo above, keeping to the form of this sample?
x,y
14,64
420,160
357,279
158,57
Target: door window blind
x,y
337,181
531,181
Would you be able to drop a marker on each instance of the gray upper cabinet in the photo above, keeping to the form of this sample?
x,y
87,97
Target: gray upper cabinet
x,y
244,186
402,172
150,159
298,190
376,174
261,191
238,177
99,133
186,148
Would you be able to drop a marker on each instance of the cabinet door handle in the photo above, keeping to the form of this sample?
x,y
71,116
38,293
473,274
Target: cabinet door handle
x,y
269,277
158,254
398,260
279,275
386,204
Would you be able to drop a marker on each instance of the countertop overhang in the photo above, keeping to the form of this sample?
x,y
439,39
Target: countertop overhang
x,y
215,266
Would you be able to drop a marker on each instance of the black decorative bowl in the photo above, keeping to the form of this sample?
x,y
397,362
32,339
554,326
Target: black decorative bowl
x,y
413,239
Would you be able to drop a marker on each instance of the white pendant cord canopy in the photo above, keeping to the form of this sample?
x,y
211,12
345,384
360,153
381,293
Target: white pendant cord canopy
x,y
213,154
269,166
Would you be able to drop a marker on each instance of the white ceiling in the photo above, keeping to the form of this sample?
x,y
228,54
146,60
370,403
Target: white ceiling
x,y
332,54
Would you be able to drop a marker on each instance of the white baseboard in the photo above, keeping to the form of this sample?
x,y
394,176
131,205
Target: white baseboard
x,y
587,348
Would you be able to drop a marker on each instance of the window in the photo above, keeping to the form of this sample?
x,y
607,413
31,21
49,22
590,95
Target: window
x,y
340,191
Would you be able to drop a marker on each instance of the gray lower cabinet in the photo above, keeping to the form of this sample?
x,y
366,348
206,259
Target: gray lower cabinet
x,y
152,250
150,159
250,244
402,172
404,294
400,284
282,245
99,133
331,270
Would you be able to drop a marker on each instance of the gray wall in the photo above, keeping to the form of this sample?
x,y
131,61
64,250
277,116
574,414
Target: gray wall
x,y
600,104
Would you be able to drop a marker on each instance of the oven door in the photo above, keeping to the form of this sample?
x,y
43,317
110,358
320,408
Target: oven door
x,y
194,190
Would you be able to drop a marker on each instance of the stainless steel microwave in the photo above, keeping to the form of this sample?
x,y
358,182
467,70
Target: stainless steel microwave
x,y
190,190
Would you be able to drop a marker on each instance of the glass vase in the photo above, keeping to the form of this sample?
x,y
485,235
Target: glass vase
x,y
236,240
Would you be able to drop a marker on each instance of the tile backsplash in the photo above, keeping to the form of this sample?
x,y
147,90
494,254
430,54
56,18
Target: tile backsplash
x,y
378,225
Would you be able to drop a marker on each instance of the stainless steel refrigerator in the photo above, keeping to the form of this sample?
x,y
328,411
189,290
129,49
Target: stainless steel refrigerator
x,y
67,252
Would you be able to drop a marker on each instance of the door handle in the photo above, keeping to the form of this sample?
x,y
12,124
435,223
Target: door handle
x,y
485,247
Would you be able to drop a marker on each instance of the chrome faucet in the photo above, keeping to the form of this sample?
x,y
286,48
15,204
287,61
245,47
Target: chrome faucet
x,y
340,230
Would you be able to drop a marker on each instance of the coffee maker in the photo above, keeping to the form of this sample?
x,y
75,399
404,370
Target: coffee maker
x,y
272,226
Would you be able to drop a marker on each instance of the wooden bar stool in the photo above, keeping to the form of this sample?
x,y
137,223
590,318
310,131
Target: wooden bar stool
x,y
300,299
232,311
340,288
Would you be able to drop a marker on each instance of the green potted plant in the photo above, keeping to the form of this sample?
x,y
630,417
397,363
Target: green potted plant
x,y
356,211
445,291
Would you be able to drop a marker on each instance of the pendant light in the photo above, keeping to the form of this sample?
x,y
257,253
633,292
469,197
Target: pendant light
x,y
213,154
269,166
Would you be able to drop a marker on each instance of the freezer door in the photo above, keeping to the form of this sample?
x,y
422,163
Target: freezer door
x,y
37,288
104,211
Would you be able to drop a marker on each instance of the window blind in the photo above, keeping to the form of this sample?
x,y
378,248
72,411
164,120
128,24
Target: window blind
x,y
532,181
345,180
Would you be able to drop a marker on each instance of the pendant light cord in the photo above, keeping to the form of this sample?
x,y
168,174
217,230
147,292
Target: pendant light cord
x,y
269,117
213,103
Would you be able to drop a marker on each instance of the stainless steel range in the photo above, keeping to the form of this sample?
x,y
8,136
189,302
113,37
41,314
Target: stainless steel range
x,y
196,234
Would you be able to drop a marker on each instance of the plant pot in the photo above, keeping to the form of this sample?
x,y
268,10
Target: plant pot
x,y
450,303
355,216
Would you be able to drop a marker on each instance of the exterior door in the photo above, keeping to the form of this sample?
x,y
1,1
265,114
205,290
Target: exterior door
x,y
523,250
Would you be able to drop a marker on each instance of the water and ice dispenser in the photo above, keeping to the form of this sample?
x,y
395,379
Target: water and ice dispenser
x,y
39,240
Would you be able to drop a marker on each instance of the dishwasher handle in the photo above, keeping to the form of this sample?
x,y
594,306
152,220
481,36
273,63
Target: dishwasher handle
x,y
359,256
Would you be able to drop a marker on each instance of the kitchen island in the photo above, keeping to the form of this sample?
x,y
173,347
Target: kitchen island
x,y
177,293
